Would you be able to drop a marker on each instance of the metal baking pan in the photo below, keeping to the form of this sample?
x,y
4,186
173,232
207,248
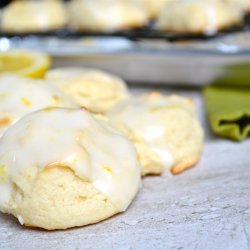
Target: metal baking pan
x,y
147,55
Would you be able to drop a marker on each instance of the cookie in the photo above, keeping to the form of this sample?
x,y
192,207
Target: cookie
x,y
164,129
106,15
95,90
242,4
152,7
70,170
33,16
195,16
20,95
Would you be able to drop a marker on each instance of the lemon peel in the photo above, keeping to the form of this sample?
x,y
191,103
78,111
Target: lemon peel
x,y
25,63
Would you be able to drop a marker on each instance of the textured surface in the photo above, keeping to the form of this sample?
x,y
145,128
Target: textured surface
x,y
207,207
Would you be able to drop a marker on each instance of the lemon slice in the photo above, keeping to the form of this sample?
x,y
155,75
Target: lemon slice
x,y
25,63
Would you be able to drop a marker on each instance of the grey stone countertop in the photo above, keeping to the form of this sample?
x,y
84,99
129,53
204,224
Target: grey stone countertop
x,y
207,207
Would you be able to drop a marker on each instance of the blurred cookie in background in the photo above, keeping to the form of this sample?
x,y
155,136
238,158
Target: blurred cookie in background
x,y
153,7
106,15
33,16
242,4
204,17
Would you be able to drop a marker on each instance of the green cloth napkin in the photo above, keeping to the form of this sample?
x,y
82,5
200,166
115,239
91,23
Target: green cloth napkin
x,y
235,75
228,110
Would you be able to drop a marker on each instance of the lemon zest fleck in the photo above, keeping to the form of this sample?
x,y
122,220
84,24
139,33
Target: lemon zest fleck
x,y
2,173
25,101
155,109
49,109
55,100
108,169
3,96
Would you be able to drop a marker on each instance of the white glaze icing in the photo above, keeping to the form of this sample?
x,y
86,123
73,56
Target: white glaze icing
x,y
244,5
106,14
72,138
19,96
99,13
205,16
208,8
34,16
210,12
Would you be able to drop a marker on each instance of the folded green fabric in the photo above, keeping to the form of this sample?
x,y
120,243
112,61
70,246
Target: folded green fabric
x,y
235,75
228,110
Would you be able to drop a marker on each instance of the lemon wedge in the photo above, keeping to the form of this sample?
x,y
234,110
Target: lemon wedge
x,y
25,63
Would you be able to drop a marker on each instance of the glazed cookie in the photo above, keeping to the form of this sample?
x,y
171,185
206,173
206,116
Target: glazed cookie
x,y
153,7
19,96
164,129
33,16
195,16
242,4
106,15
96,90
70,170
